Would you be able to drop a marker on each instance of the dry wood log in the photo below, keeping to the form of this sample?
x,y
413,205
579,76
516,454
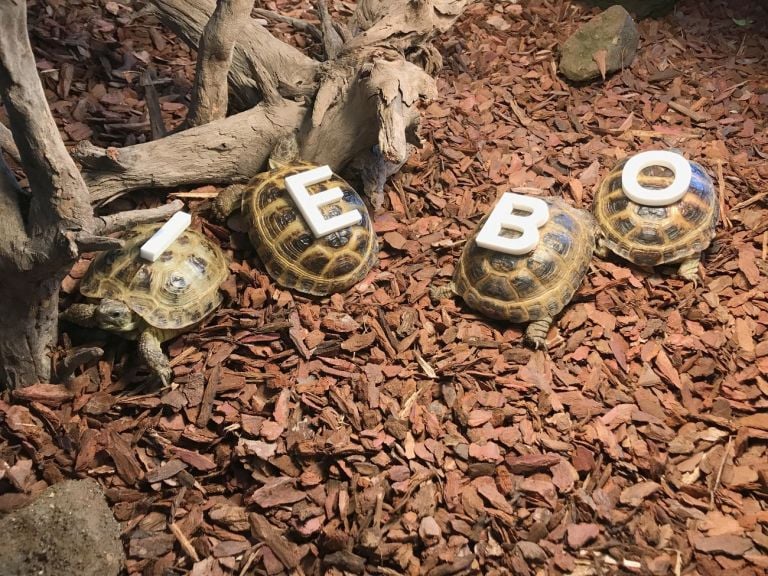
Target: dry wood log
x,y
41,236
210,95
255,46
34,255
7,144
365,106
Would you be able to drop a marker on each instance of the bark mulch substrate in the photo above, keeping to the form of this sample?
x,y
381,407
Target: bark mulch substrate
x,y
374,432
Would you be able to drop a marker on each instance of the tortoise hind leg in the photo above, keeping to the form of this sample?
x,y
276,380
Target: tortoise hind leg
x,y
536,333
228,201
153,355
689,269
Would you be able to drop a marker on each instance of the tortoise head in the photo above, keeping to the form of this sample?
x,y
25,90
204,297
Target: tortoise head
x,y
115,316
285,151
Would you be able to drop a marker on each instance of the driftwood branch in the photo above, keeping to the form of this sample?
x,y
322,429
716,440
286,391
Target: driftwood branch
x,y
297,23
298,73
7,144
217,42
332,40
222,152
87,242
37,244
14,249
60,199
115,222
367,96
402,24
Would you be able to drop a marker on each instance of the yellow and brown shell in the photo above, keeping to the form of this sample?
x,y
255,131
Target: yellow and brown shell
x,y
175,291
654,235
285,243
532,286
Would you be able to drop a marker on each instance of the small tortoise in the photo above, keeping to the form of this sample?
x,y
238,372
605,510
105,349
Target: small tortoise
x,y
654,235
284,242
152,301
532,287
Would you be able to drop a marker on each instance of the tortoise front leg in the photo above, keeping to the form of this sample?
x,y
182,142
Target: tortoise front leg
x,y
601,250
228,201
153,355
536,333
81,314
689,269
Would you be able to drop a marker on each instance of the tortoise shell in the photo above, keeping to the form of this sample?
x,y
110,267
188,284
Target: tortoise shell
x,y
175,291
654,235
285,244
532,286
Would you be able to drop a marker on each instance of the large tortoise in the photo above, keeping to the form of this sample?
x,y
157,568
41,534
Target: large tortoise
x,y
532,287
676,233
292,255
152,301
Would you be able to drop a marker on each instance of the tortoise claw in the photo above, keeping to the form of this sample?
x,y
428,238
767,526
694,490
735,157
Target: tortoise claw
x,y
689,270
536,333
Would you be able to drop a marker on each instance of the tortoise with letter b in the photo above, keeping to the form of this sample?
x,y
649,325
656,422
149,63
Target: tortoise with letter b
x,y
524,262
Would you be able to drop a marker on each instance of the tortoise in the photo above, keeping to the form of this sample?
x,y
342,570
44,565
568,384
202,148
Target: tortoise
x,y
649,236
532,287
291,254
152,301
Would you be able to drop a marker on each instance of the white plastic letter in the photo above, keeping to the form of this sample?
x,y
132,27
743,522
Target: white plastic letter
x,y
309,204
503,216
165,236
648,196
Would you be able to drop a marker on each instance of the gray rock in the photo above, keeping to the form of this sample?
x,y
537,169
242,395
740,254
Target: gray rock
x,y
613,31
67,531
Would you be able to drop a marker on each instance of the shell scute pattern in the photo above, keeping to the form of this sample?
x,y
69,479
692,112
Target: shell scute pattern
x,y
286,245
173,292
654,235
533,286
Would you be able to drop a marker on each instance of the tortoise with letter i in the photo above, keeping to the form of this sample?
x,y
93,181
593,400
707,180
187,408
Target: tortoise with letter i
x,y
532,286
152,302
650,217
294,256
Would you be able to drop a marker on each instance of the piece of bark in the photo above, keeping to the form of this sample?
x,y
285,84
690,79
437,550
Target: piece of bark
x,y
48,394
217,42
166,470
156,123
206,406
285,550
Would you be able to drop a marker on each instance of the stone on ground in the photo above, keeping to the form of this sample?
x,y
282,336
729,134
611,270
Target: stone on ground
x,y
613,31
67,531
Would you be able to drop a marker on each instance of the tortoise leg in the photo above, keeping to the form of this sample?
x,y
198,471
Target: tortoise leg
x,y
689,269
601,250
536,333
81,314
152,354
227,201
440,292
